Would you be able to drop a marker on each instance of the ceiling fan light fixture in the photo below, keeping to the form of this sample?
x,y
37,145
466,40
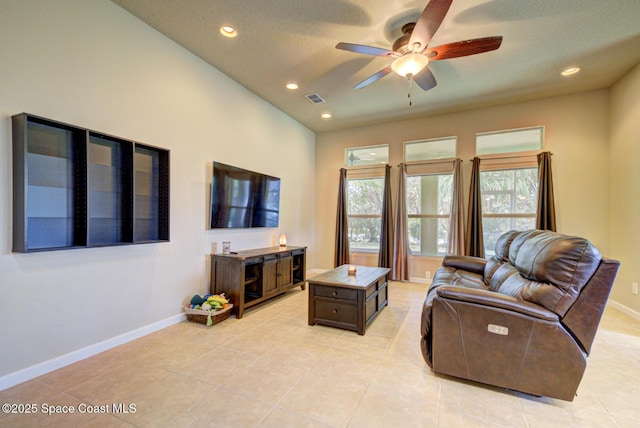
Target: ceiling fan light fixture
x,y
409,64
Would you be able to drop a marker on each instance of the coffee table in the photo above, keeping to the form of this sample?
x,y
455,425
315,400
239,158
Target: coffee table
x,y
349,302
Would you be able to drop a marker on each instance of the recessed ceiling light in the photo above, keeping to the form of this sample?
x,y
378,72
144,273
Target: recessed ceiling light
x,y
228,31
292,86
326,116
570,71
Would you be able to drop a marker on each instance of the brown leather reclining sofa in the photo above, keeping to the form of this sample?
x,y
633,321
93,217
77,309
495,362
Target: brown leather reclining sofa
x,y
525,319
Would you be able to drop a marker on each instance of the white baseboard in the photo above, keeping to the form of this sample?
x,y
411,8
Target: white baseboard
x,y
420,280
12,379
627,310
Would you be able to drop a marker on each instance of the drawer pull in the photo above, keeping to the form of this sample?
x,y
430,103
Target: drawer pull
x,y
335,311
334,293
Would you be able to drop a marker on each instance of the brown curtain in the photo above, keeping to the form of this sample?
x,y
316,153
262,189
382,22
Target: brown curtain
x,y
385,254
455,239
400,269
475,245
546,213
342,224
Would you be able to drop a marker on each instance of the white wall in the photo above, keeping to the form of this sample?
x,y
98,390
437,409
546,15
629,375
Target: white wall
x,y
624,204
576,131
93,65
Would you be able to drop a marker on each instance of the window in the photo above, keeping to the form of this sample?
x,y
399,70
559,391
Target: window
x,y
517,140
371,155
428,194
364,212
508,182
441,148
509,200
428,208
364,196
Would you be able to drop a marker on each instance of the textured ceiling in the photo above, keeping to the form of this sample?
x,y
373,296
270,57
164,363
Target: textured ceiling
x,y
294,40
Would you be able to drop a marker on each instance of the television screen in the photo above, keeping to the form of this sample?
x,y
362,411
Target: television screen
x,y
242,199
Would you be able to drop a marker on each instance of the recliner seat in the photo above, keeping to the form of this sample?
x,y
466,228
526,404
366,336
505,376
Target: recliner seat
x,y
525,319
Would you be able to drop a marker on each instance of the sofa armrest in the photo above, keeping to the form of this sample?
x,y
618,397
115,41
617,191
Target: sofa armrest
x,y
495,300
468,263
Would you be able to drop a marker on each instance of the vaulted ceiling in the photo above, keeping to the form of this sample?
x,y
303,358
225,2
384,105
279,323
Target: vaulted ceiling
x,y
282,41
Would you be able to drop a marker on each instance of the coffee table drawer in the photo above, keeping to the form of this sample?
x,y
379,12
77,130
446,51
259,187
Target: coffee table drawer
x,y
336,292
335,310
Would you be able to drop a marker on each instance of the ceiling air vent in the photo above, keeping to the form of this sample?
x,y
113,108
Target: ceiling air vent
x,y
314,98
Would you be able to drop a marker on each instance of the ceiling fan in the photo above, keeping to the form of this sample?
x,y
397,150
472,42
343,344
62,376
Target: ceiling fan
x,y
411,51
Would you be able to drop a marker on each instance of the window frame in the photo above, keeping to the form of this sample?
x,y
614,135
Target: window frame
x,y
366,165
361,176
512,192
511,216
508,161
495,154
431,166
427,216
427,141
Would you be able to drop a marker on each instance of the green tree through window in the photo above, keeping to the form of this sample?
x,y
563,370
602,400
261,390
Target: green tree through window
x,y
364,212
509,201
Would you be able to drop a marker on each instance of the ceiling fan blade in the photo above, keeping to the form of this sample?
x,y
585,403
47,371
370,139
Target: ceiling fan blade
x,y
373,78
366,50
425,79
464,48
428,23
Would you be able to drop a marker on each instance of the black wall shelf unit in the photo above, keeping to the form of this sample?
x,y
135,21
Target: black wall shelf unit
x,y
77,188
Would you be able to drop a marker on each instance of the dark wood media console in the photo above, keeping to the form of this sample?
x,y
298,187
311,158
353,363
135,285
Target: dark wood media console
x,y
253,276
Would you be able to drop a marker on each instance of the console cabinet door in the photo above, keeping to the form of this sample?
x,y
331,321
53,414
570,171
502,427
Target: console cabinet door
x,y
270,275
285,269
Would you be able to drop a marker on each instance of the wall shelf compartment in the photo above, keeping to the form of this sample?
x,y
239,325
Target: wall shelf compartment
x,y
77,188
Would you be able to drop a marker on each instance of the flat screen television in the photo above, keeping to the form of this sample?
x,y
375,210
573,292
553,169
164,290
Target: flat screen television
x,y
243,199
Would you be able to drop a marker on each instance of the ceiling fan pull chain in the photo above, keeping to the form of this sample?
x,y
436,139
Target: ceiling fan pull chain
x,y
409,90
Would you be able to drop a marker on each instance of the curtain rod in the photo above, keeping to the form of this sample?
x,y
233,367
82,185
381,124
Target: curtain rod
x,y
508,157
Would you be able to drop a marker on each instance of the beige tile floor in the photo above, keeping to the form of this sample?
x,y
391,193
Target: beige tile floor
x,y
270,369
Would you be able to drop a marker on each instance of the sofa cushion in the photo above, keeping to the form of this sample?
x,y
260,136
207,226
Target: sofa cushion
x,y
519,240
504,243
510,282
501,255
553,267
500,276
449,276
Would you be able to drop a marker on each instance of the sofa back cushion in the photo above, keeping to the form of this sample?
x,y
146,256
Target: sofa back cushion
x,y
547,268
503,244
501,255
519,240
